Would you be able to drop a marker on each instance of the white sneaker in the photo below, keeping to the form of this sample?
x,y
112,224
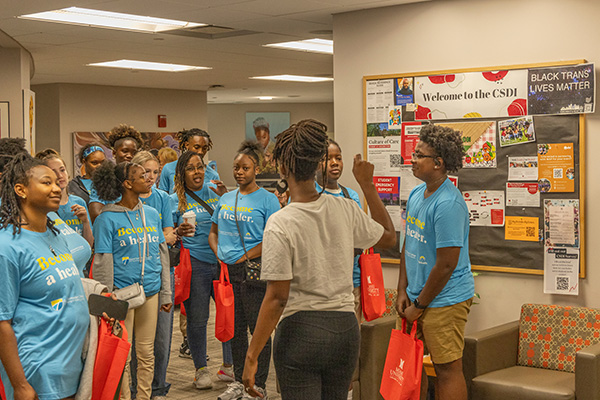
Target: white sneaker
x,y
202,379
350,395
235,391
225,373
262,391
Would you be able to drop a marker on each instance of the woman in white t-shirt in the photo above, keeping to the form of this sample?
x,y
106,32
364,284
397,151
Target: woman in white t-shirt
x,y
308,250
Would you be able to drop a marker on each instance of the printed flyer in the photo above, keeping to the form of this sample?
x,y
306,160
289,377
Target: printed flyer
x,y
556,169
479,142
395,117
388,188
522,168
516,131
522,194
404,91
380,96
522,228
410,138
561,223
561,270
385,154
486,207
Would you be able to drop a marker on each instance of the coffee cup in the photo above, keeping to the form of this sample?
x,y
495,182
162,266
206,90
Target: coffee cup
x,y
190,218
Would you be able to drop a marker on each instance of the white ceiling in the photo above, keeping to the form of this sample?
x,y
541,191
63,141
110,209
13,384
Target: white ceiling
x,y
61,52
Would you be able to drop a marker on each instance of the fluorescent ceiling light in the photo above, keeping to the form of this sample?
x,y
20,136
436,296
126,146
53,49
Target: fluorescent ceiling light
x,y
145,65
309,45
265,97
111,20
293,78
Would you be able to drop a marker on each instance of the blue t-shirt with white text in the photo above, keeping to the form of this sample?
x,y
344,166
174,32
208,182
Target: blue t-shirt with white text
x,y
198,244
438,221
167,176
253,211
43,296
115,233
65,213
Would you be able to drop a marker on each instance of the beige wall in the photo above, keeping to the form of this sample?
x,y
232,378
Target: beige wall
x,y
15,66
461,34
100,108
226,125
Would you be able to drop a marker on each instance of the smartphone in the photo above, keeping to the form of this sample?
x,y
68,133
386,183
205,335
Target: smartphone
x,y
116,309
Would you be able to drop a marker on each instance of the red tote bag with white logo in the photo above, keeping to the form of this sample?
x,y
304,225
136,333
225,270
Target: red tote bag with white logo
x,y
372,292
403,365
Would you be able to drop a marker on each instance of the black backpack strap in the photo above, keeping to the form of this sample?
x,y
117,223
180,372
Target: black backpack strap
x,y
344,191
200,201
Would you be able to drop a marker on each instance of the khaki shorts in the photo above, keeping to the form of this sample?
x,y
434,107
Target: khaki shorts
x,y
442,330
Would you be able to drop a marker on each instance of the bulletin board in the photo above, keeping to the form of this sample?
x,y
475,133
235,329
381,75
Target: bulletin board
x,y
554,123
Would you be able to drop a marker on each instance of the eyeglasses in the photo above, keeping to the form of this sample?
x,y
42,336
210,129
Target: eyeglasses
x,y
192,168
420,156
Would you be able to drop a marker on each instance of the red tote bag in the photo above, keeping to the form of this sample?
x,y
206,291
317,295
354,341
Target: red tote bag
x,y
224,301
183,276
403,365
372,292
110,362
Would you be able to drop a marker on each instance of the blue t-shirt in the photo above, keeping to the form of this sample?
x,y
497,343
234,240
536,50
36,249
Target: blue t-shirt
x,y
354,196
43,296
167,176
78,246
65,213
87,183
114,233
95,199
441,220
160,201
253,211
198,244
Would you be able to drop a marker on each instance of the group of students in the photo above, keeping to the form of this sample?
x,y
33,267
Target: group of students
x,y
47,235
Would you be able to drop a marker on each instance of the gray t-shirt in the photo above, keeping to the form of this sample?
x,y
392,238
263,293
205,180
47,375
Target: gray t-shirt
x,y
312,244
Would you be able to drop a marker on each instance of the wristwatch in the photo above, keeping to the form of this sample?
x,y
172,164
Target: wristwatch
x,y
418,304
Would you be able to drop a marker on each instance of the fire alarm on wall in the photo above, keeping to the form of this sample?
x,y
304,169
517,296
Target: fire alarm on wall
x,y
162,121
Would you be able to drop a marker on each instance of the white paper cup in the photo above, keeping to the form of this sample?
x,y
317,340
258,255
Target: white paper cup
x,y
190,218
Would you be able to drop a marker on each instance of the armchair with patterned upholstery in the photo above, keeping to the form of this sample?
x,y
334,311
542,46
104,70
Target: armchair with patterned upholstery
x,y
552,352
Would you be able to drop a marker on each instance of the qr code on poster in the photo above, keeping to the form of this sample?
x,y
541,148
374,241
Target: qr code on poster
x,y
558,173
562,283
530,231
395,160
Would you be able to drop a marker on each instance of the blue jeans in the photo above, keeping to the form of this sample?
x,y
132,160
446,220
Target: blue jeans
x,y
315,353
197,308
162,352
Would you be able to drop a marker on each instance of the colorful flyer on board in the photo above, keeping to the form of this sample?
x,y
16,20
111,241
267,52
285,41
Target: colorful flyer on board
x,y
410,138
561,223
522,228
395,117
556,167
522,194
561,270
479,142
388,188
380,96
486,207
384,153
516,131
404,91
522,168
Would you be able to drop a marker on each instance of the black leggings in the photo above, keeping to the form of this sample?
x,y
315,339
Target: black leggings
x,y
315,353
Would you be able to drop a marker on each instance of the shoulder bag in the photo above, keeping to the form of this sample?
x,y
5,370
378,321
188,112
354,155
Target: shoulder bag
x,y
251,267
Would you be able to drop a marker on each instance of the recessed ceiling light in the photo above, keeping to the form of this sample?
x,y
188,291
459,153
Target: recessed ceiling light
x,y
265,97
149,66
110,20
293,78
309,45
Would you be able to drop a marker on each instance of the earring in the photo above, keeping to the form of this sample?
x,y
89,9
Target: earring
x,y
23,196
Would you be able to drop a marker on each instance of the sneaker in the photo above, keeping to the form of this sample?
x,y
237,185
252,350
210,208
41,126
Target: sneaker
x,y
184,349
202,379
159,397
235,391
260,390
225,373
350,395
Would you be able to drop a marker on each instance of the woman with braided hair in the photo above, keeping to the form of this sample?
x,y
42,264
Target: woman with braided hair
x,y
236,236
91,157
124,141
307,257
198,141
43,313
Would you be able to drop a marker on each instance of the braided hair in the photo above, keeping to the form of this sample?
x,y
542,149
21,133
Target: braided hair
x,y
301,148
17,171
184,135
108,179
120,133
179,178
9,147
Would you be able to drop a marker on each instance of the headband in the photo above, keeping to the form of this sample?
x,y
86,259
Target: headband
x,y
90,150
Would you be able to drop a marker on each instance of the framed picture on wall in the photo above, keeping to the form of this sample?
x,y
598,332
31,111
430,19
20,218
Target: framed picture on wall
x,y
152,140
29,120
263,127
4,119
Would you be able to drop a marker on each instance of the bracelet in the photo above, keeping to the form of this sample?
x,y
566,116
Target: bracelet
x,y
418,304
